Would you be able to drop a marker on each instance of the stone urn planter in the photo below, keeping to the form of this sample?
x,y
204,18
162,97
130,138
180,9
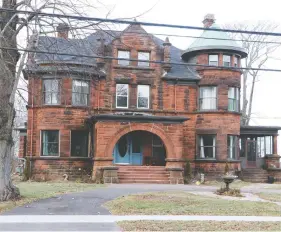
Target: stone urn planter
x,y
228,179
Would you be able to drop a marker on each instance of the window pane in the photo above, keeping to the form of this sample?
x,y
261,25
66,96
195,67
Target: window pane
x,y
207,146
235,61
143,96
213,60
125,55
51,91
122,90
231,146
226,60
143,56
79,143
122,95
233,99
122,101
208,98
80,92
268,145
50,143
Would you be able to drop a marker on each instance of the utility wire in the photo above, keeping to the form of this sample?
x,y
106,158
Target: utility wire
x,y
140,60
84,18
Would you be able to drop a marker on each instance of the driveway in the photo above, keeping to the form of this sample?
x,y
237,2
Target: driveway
x,y
89,203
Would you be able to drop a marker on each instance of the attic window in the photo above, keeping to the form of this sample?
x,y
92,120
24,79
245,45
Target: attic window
x,y
213,60
123,55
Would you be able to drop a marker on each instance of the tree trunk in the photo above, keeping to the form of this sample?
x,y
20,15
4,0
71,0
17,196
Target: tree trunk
x,y
8,62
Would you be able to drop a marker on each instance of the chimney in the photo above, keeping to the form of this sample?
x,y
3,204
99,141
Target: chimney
x,y
62,30
209,20
101,50
167,55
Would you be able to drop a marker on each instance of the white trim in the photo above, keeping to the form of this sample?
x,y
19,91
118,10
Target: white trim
x,y
148,102
121,107
51,156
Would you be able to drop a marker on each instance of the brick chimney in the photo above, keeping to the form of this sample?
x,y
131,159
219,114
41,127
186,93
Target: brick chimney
x,y
101,50
167,55
209,20
63,30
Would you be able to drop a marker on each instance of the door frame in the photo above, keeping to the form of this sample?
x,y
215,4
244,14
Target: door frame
x,y
251,164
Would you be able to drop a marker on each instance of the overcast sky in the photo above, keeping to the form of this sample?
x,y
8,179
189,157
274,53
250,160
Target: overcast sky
x,y
266,108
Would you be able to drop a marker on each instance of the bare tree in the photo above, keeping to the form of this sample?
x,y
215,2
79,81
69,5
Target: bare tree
x,y
260,49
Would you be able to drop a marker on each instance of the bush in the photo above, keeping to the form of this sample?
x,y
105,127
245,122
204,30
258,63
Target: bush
x,y
187,174
27,169
231,192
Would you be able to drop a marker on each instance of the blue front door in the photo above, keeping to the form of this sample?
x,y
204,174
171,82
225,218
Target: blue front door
x,y
128,150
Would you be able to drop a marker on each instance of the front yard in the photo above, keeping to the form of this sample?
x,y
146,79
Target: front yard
x,y
183,203
198,226
32,191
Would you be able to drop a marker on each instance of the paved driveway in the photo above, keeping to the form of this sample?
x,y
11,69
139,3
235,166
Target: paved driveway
x,y
90,203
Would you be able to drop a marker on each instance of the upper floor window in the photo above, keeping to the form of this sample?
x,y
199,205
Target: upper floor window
x,y
123,55
208,98
233,99
235,62
79,143
232,146
50,143
143,56
226,60
122,95
80,92
214,60
207,146
143,96
51,91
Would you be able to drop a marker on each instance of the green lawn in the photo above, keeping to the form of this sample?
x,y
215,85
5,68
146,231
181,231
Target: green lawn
x,y
270,196
32,191
182,203
237,184
198,226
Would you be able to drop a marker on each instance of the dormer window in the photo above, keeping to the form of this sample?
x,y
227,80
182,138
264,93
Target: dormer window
x,y
226,60
123,55
214,60
143,56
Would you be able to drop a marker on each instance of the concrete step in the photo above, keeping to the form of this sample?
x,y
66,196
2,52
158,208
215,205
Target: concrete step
x,y
144,181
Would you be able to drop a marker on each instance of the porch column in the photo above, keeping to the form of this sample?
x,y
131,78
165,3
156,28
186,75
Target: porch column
x,y
275,144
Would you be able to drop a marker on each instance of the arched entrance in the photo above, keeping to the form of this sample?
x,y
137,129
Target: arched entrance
x,y
139,148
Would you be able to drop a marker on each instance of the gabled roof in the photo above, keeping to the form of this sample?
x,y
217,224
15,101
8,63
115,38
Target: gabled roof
x,y
221,42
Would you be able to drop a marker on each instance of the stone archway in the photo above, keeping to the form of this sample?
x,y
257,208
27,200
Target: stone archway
x,y
149,128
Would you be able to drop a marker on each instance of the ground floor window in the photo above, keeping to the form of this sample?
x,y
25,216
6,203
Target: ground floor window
x,y
232,146
206,146
79,143
50,143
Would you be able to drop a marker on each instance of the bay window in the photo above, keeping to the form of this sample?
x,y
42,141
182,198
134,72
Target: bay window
x,y
80,92
226,60
208,98
143,96
232,146
214,60
51,91
206,146
233,99
124,55
50,143
122,95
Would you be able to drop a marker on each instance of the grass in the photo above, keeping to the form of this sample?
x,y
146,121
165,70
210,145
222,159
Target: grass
x,y
270,196
182,203
32,191
198,226
237,184
273,186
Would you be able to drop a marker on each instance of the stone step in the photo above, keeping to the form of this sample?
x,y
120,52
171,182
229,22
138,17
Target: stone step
x,y
148,181
142,174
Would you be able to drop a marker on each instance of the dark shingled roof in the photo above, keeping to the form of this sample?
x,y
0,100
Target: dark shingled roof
x,y
89,45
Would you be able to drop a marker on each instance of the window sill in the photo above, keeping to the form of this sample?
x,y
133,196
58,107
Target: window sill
x,y
133,67
59,158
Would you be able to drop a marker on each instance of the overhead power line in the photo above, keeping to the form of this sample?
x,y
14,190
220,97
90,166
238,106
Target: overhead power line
x,y
140,60
150,24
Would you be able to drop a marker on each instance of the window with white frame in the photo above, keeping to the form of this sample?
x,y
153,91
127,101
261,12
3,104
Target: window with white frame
x,y
226,60
50,143
123,55
208,98
79,143
143,56
232,146
207,146
143,96
51,91
233,99
236,60
122,95
80,93
214,60
264,146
